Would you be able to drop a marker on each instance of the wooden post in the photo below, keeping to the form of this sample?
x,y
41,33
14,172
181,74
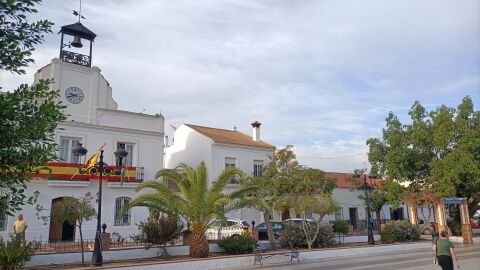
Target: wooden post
x,y
412,214
466,228
440,214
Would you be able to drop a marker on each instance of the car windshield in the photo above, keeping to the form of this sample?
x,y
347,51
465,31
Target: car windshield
x,y
262,226
245,224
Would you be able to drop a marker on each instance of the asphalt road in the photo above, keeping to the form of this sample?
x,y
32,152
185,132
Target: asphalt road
x,y
410,260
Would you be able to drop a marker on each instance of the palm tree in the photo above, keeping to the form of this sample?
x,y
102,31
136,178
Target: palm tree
x,y
186,192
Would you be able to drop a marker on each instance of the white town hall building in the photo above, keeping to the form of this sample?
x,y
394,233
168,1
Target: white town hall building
x,y
93,120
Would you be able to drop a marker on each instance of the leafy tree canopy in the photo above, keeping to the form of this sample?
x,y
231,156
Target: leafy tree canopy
x,y
438,151
18,36
28,118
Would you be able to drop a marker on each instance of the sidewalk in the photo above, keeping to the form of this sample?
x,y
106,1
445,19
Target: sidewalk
x,y
220,261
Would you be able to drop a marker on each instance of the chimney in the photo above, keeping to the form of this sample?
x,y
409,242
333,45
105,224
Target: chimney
x,y
256,131
234,128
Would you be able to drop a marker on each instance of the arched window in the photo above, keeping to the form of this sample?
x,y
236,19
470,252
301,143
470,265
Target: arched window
x,y
125,218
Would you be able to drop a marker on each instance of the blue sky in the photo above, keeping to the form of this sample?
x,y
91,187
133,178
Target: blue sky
x,y
321,75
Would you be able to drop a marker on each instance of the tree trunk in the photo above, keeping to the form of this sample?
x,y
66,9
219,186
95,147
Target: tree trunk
x,y
268,223
81,243
379,220
199,245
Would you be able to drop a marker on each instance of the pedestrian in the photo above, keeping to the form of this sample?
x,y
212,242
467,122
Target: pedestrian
x,y
445,252
19,228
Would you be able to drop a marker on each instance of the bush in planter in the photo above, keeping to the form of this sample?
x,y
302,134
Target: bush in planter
x,y
13,254
399,231
237,244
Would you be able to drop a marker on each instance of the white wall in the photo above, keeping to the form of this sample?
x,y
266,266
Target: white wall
x,y
189,147
52,189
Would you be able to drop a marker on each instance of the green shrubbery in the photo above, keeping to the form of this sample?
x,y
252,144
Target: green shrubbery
x,y
296,236
14,254
399,231
237,244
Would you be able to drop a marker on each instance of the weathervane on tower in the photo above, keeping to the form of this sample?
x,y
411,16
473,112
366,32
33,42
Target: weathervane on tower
x,y
78,31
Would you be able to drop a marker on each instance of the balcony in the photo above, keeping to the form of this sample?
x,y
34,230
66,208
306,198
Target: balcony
x,y
69,171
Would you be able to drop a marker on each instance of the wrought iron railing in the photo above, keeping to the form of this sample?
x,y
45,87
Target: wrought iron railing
x,y
76,58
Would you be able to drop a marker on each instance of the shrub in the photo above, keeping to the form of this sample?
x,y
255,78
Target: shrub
x,y
399,231
325,237
340,227
296,236
13,254
237,244
158,231
293,235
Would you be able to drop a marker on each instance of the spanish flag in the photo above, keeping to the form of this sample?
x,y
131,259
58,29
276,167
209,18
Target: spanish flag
x,y
92,161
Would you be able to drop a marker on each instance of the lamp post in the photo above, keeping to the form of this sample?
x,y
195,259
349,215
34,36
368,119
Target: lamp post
x,y
366,187
101,168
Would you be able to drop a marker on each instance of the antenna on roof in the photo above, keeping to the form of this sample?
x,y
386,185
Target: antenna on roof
x,y
173,127
79,13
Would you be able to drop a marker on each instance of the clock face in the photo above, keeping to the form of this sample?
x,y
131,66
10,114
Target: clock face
x,y
74,95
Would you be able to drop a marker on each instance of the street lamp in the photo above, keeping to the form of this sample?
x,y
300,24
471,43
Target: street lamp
x,y
366,188
101,168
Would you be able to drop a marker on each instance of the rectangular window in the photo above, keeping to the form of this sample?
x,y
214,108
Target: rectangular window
x,y
309,213
231,162
339,214
257,168
122,219
3,223
66,146
128,161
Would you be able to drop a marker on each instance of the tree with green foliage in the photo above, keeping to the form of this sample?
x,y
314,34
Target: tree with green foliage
x,y
28,118
439,151
14,253
159,230
28,115
18,36
75,211
186,192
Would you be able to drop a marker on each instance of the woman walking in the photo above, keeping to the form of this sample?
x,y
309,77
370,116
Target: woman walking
x,y
445,252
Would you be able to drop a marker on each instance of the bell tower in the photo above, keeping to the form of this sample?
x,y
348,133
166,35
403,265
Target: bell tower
x,y
78,32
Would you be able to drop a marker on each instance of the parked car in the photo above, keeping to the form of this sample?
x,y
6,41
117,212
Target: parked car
x,y
228,228
296,221
277,227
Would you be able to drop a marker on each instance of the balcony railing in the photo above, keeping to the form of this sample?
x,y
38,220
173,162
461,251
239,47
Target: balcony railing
x,y
69,171
76,58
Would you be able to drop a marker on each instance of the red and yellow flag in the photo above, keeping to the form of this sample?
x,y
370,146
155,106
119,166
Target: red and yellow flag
x,y
92,161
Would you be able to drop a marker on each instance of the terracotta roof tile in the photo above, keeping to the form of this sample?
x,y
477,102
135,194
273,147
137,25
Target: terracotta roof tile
x,y
229,136
343,179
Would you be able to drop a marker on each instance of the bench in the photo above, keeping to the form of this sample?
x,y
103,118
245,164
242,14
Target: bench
x,y
268,249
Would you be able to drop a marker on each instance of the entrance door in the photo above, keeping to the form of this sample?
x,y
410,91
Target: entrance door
x,y
396,214
353,217
60,231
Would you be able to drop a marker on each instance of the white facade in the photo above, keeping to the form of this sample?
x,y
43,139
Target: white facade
x,y
95,121
192,147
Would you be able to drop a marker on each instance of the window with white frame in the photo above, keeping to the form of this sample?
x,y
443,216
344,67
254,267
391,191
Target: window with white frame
x,y
230,163
3,222
128,161
309,213
339,214
66,146
257,168
125,218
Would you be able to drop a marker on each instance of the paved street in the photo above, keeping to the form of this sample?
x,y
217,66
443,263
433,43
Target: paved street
x,y
414,260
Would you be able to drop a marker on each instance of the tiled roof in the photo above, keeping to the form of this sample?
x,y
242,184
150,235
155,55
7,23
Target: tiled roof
x,y
343,179
229,136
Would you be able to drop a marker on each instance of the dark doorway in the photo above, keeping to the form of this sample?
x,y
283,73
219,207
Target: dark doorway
x,y
353,214
285,214
60,231
396,214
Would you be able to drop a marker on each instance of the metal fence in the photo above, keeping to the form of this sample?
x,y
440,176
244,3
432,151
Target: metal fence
x,y
88,244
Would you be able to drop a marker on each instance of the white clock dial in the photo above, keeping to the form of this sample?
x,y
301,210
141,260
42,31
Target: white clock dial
x,y
74,95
